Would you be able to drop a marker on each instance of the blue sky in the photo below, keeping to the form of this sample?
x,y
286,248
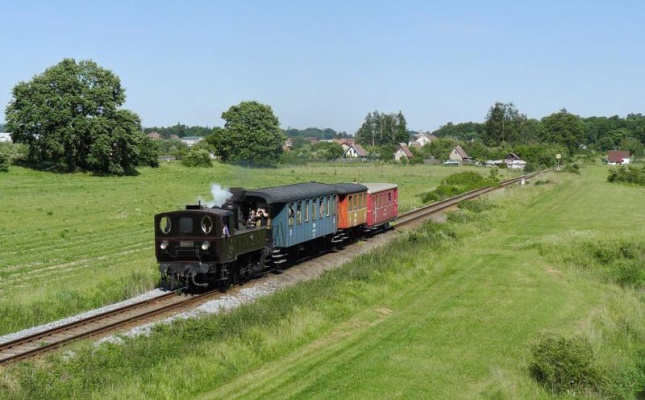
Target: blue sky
x,y
327,64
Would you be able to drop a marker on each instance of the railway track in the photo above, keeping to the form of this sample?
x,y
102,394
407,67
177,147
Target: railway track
x,y
96,325
425,211
129,315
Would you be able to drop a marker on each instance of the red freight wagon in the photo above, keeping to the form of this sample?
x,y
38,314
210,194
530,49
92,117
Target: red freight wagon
x,y
382,204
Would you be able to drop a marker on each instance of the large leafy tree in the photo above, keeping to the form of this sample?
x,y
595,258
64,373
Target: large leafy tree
x,y
70,115
565,129
504,125
383,129
251,135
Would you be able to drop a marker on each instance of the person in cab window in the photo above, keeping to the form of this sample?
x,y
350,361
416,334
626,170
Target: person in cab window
x,y
251,220
262,216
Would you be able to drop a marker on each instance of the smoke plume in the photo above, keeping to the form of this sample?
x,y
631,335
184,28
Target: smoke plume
x,y
220,195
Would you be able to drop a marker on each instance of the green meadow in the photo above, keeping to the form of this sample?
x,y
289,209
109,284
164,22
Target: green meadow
x,y
452,310
73,242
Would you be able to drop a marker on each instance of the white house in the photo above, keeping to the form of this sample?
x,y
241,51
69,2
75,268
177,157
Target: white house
x,y
618,157
5,137
422,140
191,140
355,151
513,161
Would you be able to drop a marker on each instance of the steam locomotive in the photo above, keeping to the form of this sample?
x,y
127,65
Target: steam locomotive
x,y
202,246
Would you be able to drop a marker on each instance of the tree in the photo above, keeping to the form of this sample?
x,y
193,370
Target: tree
x,y
70,115
379,129
504,124
328,151
251,135
565,129
461,131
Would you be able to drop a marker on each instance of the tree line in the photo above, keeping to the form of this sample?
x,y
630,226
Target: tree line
x,y
70,118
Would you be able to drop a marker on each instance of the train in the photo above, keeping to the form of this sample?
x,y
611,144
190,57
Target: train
x,y
268,229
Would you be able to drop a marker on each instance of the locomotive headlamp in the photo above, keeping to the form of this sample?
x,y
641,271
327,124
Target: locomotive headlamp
x,y
206,246
163,245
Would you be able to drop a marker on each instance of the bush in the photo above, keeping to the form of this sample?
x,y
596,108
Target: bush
x,y
197,158
459,183
564,365
4,163
571,169
630,174
476,206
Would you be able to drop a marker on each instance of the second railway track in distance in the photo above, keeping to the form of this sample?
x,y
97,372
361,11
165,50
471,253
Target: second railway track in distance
x,y
131,314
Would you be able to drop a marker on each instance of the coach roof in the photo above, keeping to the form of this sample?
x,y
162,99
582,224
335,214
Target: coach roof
x,y
379,187
349,188
287,193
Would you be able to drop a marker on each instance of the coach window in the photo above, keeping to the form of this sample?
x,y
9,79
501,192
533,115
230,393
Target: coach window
x,y
322,207
364,195
291,214
328,204
313,209
307,211
299,213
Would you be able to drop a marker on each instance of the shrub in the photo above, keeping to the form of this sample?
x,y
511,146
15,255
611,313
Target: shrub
x,y
4,163
476,206
630,174
565,365
628,272
571,169
459,183
197,158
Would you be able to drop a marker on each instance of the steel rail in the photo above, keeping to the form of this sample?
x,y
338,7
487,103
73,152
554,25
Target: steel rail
x,y
50,339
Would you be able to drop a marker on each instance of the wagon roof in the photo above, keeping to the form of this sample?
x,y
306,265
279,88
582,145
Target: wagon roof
x,y
379,187
287,193
349,188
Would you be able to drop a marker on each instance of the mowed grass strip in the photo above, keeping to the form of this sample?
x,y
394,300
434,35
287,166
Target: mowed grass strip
x,y
449,311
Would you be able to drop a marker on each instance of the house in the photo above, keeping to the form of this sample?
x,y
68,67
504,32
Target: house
x,y
422,139
403,152
191,140
345,143
5,137
618,157
288,145
513,161
355,151
458,154
154,135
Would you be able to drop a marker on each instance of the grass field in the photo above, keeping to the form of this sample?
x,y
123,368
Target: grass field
x,y
449,311
75,242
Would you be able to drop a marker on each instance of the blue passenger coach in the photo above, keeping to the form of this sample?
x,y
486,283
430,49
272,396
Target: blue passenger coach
x,y
298,213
